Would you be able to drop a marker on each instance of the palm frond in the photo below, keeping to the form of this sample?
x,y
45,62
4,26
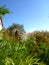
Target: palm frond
x,y
4,10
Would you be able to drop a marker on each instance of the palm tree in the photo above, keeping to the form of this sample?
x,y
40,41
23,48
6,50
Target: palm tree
x,y
3,11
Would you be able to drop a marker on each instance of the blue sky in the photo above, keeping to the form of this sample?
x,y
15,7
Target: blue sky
x,y
33,14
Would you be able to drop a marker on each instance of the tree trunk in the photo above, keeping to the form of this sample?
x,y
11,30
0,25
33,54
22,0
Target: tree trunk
x,y
1,24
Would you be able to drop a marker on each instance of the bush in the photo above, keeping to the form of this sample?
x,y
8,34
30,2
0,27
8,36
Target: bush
x,y
24,52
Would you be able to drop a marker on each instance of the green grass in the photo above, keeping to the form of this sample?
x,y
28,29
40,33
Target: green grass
x,y
25,52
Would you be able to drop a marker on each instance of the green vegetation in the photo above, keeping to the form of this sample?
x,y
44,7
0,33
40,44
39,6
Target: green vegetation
x,y
27,51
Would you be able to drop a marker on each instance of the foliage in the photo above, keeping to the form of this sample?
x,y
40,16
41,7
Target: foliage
x,y
17,53
16,31
40,36
4,10
24,52
15,27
